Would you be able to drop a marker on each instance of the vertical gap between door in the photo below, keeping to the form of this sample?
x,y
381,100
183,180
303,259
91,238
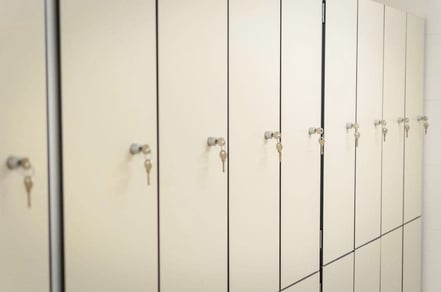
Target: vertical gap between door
x,y
404,157
322,160
280,131
158,211
382,148
228,145
355,152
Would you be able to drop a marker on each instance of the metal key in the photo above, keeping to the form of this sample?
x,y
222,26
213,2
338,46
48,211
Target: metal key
x,y
279,148
28,185
322,145
426,126
148,168
385,130
223,157
357,137
407,128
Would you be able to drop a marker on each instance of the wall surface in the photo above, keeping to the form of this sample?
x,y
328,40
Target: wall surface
x,y
431,9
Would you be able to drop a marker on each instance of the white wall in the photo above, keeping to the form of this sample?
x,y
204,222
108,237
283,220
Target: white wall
x,y
431,9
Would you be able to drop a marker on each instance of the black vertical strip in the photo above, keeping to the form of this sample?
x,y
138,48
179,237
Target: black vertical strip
x,y
382,147
228,145
355,152
280,130
404,158
158,211
54,133
322,124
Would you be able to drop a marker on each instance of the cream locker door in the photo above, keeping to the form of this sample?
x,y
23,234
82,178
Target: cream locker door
x,y
369,115
367,267
192,107
109,102
311,284
24,244
414,109
339,164
412,257
338,276
301,110
254,95
391,261
393,109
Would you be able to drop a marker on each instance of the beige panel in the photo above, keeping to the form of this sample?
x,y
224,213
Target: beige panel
x,y
254,167
393,108
412,257
301,104
311,284
192,107
414,108
369,109
109,102
391,261
340,91
339,275
367,267
24,234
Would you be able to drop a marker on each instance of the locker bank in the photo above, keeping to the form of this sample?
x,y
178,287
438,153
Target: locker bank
x,y
211,146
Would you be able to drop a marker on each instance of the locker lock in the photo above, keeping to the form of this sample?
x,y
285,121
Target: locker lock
x,y
424,119
278,137
15,162
143,149
213,141
384,129
354,126
405,120
318,131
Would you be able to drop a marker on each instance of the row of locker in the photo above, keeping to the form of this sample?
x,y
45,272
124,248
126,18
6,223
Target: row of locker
x,y
171,74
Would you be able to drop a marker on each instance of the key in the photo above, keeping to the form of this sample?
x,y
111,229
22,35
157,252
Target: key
x,y
223,157
385,130
426,126
357,137
322,145
407,128
279,148
28,185
148,168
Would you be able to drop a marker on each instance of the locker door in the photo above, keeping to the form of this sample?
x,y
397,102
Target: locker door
x,y
254,164
192,107
412,257
393,109
391,261
109,102
414,109
369,115
311,284
367,267
301,110
338,276
340,90
24,244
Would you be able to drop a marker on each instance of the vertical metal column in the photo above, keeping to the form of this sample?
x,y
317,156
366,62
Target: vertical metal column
x,y
55,183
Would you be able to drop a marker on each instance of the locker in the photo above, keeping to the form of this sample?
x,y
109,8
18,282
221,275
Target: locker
x,y
338,276
412,256
24,231
339,158
109,102
254,95
393,109
369,119
414,112
310,284
391,261
192,107
367,267
300,173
